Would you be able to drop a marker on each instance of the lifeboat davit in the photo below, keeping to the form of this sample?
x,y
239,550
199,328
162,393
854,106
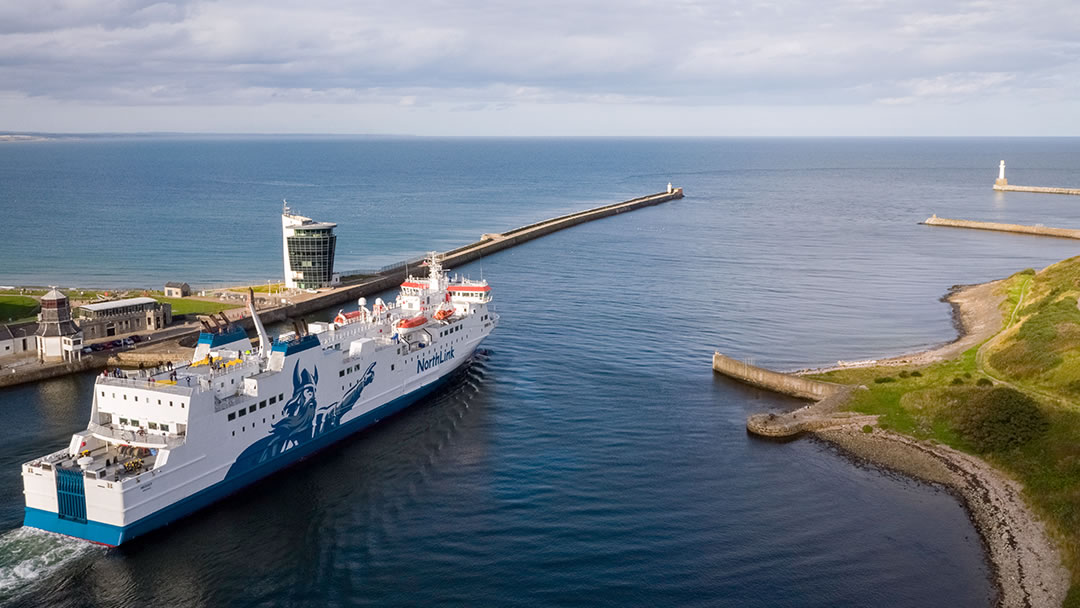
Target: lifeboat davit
x,y
414,323
443,314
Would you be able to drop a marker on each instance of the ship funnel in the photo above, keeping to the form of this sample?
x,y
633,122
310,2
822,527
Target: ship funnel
x,y
264,342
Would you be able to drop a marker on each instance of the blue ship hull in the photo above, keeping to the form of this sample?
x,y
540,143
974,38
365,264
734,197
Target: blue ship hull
x,y
235,480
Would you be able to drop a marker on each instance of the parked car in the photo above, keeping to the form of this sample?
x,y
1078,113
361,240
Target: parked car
x,y
97,347
87,350
137,339
128,342
115,344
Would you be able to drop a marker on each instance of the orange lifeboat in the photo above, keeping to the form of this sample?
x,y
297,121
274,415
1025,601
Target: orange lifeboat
x,y
410,324
443,314
345,317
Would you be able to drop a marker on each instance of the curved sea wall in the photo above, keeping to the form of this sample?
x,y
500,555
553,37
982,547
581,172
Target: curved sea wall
x,y
787,384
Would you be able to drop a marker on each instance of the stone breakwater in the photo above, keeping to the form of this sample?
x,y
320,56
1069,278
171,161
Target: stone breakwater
x,y
306,304
1038,189
822,414
1065,233
1028,571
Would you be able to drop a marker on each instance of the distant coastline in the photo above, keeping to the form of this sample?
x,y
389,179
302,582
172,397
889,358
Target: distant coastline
x,y
14,138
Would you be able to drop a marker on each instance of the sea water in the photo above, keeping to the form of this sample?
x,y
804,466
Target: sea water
x,y
588,455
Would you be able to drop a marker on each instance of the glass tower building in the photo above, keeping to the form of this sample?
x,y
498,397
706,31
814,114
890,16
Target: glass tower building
x,y
309,251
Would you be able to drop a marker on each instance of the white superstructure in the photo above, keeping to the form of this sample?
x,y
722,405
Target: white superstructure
x,y
162,444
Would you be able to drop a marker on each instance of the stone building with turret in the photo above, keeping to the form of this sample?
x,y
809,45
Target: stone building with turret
x,y
58,337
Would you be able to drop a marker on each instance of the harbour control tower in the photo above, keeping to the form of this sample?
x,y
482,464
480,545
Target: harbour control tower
x,y
308,250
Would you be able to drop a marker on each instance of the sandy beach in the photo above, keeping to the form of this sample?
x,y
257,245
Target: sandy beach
x,y
976,315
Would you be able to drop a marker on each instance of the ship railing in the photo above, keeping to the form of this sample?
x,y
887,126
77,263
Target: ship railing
x,y
141,439
227,402
147,383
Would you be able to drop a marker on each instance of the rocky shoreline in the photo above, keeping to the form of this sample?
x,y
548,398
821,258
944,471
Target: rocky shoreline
x,y
1027,565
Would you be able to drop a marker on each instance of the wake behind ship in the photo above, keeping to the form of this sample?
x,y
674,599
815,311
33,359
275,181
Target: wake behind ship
x,y
164,444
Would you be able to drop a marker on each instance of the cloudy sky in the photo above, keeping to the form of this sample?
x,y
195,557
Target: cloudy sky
x,y
558,67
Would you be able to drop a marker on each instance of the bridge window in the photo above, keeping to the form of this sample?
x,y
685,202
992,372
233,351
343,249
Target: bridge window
x,y
153,426
262,403
232,415
273,400
164,427
252,408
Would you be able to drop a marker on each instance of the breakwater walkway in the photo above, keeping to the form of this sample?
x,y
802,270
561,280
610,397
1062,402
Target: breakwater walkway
x,y
1039,189
389,279
822,414
1065,233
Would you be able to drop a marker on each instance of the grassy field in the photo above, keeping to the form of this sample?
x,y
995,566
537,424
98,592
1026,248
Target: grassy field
x,y
17,308
1037,353
188,306
264,288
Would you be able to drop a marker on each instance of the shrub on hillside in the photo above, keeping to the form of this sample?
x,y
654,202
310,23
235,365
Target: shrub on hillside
x,y
957,380
916,374
884,379
1000,419
984,382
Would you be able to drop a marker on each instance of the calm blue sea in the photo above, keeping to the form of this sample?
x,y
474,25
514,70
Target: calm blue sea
x,y
589,456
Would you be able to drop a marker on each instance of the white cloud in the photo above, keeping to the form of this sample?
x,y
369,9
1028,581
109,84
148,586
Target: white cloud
x,y
414,56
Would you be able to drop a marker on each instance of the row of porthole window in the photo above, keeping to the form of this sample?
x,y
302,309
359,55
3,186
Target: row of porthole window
x,y
450,331
244,428
136,398
251,408
153,426
348,370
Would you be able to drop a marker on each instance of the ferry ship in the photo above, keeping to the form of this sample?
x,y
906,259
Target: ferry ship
x,y
162,444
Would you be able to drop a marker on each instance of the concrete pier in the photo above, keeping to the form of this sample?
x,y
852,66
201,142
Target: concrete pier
x,y
1065,233
818,416
1040,189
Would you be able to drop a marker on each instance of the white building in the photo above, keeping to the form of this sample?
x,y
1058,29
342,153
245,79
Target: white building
x,y
58,337
17,339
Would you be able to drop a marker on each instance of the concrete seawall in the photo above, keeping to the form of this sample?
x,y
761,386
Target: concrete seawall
x,y
1039,189
787,384
818,416
1066,233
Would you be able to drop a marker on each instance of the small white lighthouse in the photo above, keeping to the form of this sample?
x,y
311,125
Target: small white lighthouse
x,y
1001,181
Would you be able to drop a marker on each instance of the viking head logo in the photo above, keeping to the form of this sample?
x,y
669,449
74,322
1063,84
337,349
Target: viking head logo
x,y
304,382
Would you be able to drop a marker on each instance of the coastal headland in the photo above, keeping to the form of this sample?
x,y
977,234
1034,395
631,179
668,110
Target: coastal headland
x,y
355,287
991,416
